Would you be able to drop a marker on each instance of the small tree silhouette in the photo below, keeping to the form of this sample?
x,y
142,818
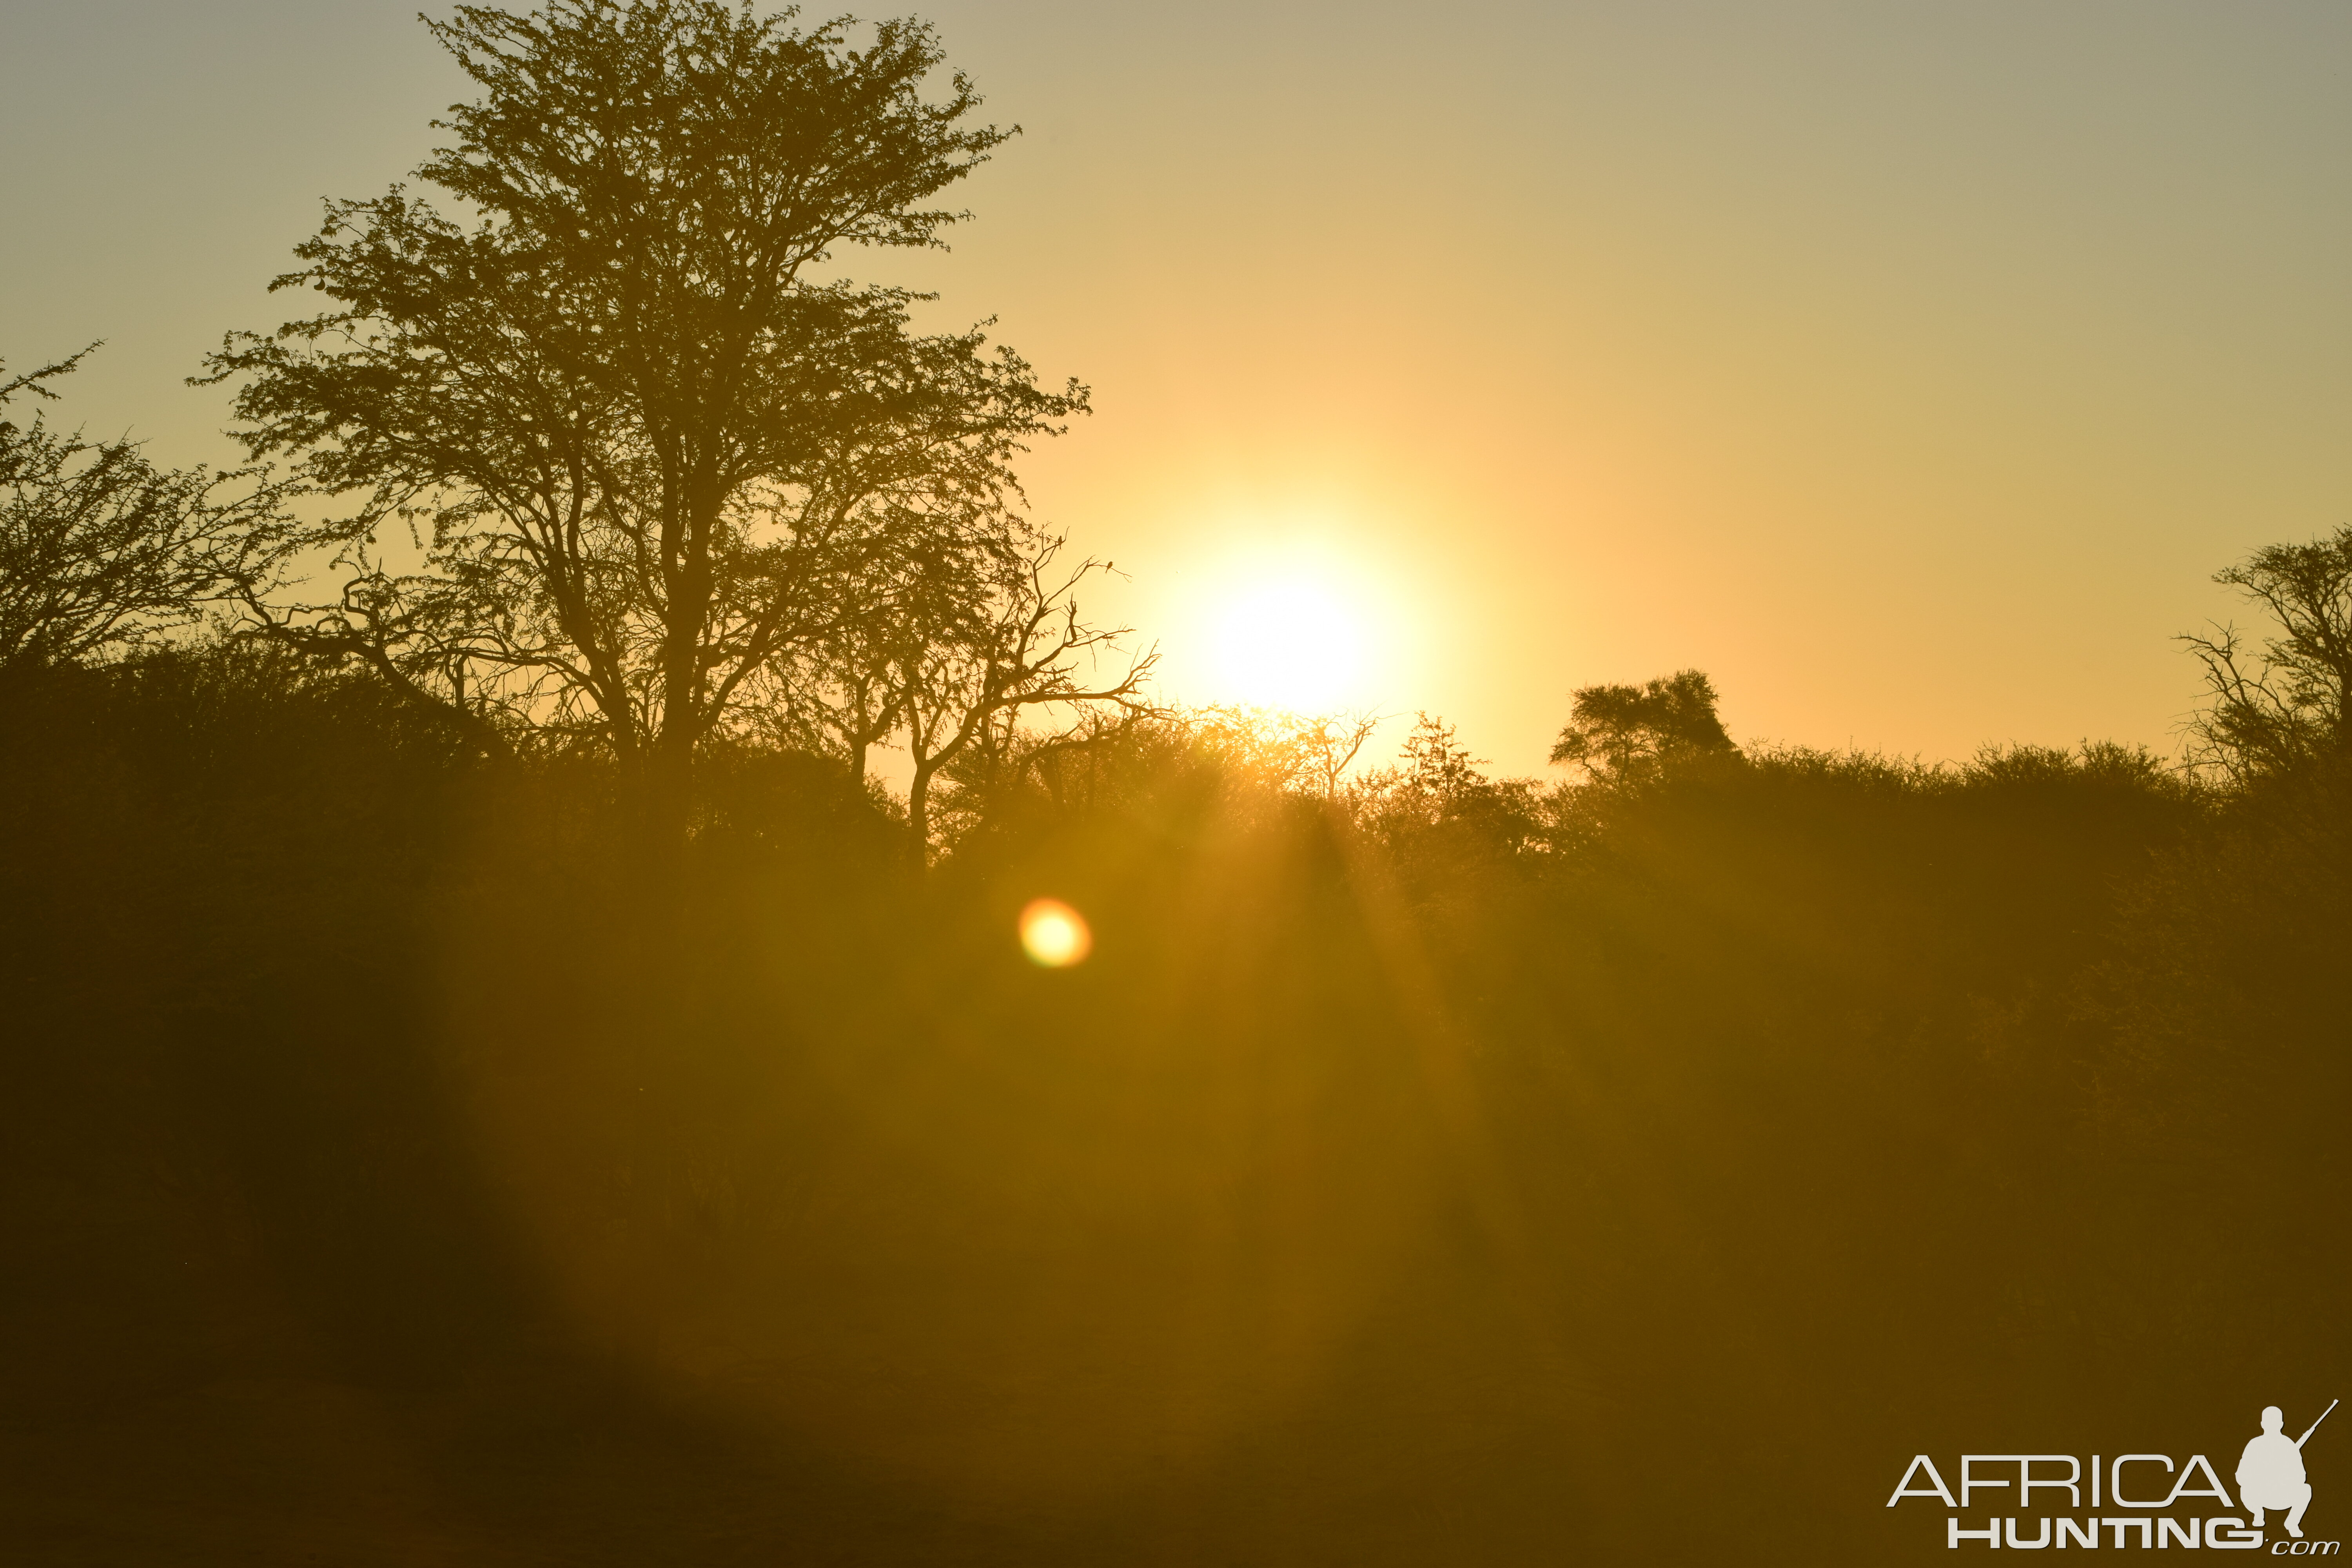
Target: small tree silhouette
x,y
2271,710
1620,728
100,549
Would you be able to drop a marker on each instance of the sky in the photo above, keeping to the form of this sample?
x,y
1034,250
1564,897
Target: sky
x,y
1908,367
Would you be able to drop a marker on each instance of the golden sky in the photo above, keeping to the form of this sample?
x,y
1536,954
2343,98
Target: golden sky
x,y
1908,367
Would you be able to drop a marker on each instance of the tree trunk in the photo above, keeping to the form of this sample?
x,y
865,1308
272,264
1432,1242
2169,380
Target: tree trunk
x,y
918,812
665,803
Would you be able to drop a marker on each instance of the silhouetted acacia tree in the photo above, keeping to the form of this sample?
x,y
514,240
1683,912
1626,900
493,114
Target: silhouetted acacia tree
x,y
101,550
2271,710
980,638
1436,766
849,705
1618,729
1437,784
642,457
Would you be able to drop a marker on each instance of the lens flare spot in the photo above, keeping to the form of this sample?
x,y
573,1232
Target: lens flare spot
x,y
1054,934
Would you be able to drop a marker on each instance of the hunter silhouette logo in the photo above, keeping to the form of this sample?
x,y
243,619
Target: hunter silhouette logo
x,y
2270,1474
2270,1478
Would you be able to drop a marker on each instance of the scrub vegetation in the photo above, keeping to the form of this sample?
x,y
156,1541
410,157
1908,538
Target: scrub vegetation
x,y
491,1080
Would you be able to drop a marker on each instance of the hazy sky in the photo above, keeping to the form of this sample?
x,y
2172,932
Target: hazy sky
x,y
1908,367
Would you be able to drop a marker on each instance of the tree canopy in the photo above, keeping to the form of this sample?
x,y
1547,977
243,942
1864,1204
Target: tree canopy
x,y
1620,728
645,460
100,549
2271,709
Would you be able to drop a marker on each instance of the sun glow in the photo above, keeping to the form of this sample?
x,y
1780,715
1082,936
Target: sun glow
x,y
1308,607
1294,641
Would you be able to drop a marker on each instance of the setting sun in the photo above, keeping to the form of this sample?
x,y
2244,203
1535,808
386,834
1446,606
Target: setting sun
x,y
1291,642
1294,608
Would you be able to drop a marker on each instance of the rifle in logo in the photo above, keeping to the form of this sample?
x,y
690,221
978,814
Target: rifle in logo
x,y
2324,1415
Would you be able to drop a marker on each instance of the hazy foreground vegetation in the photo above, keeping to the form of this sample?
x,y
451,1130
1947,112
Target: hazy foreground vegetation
x,y
1443,1170
489,1079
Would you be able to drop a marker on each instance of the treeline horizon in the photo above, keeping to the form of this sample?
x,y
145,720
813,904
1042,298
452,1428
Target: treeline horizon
x,y
1407,1161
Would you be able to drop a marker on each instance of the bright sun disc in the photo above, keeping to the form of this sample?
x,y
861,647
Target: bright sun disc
x,y
1054,934
1290,643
